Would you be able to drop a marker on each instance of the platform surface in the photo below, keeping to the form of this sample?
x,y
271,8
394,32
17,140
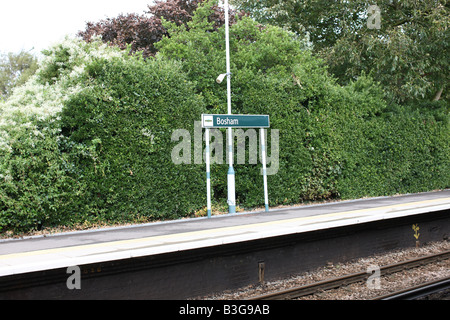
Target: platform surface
x,y
84,247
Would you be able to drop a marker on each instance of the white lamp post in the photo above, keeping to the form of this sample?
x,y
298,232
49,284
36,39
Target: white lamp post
x,y
230,176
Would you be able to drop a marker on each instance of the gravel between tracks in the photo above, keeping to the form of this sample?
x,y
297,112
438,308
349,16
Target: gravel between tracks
x,y
356,291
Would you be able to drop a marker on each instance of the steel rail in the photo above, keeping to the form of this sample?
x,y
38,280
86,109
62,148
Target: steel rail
x,y
308,289
419,291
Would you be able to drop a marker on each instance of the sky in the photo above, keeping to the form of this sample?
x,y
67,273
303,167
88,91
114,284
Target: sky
x,y
36,24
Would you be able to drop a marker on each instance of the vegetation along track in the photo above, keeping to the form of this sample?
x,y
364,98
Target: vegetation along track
x,y
300,291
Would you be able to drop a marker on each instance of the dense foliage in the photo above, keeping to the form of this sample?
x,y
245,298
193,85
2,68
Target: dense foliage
x,y
334,141
140,32
88,137
104,155
127,115
15,70
403,43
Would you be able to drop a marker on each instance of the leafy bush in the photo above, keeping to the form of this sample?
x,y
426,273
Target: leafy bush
x,y
127,116
89,139
38,182
335,141
139,33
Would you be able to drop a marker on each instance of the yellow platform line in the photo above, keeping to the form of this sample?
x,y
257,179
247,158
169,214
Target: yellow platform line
x,y
214,230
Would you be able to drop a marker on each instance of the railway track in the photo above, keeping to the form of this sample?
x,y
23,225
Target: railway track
x,y
304,290
420,291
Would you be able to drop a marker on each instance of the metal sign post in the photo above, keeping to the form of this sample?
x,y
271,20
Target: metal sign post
x,y
263,155
235,121
208,175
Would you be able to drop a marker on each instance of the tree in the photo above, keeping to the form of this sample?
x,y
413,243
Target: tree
x,y
254,48
335,141
141,32
15,69
405,51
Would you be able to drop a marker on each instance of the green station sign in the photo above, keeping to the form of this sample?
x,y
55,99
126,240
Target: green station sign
x,y
235,121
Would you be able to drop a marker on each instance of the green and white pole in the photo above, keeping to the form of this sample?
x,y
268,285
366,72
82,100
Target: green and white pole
x,y
230,176
263,155
208,175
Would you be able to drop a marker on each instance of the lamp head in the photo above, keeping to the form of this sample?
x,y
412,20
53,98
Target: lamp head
x,y
221,77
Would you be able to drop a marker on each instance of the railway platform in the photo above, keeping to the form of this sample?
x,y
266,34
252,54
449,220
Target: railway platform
x,y
102,247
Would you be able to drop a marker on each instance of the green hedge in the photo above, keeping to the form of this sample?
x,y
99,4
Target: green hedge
x,y
127,115
36,187
335,142
106,156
